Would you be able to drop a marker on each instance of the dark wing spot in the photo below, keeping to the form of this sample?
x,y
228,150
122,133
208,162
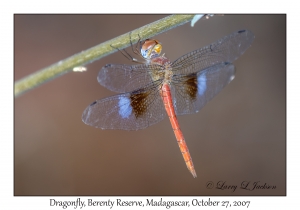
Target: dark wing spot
x,y
241,31
93,103
191,86
138,102
107,65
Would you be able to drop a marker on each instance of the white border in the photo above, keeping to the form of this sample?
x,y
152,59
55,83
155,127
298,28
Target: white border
x,y
8,201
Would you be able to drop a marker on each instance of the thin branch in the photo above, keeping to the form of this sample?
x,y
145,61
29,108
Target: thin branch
x,y
98,52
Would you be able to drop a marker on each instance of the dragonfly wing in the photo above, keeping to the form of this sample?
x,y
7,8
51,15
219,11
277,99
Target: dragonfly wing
x,y
128,111
227,49
125,78
191,92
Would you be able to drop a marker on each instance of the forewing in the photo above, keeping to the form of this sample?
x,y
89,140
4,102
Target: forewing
x,y
128,111
191,92
125,78
227,49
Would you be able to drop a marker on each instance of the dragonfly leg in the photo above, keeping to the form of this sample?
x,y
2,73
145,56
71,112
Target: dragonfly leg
x,y
127,55
137,48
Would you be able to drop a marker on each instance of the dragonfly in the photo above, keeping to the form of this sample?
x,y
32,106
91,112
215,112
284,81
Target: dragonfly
x,y
156,88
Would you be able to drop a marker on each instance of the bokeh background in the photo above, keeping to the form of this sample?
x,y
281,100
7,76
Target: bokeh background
x,y
240,135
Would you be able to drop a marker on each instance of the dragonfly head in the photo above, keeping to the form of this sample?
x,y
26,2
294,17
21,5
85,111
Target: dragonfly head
x,y
151,48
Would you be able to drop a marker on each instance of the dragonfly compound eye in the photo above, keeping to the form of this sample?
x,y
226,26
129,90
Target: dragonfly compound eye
x,y
151,48
157,49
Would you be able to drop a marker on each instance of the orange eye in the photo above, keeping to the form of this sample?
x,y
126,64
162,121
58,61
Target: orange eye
x,y
157,48
150,48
